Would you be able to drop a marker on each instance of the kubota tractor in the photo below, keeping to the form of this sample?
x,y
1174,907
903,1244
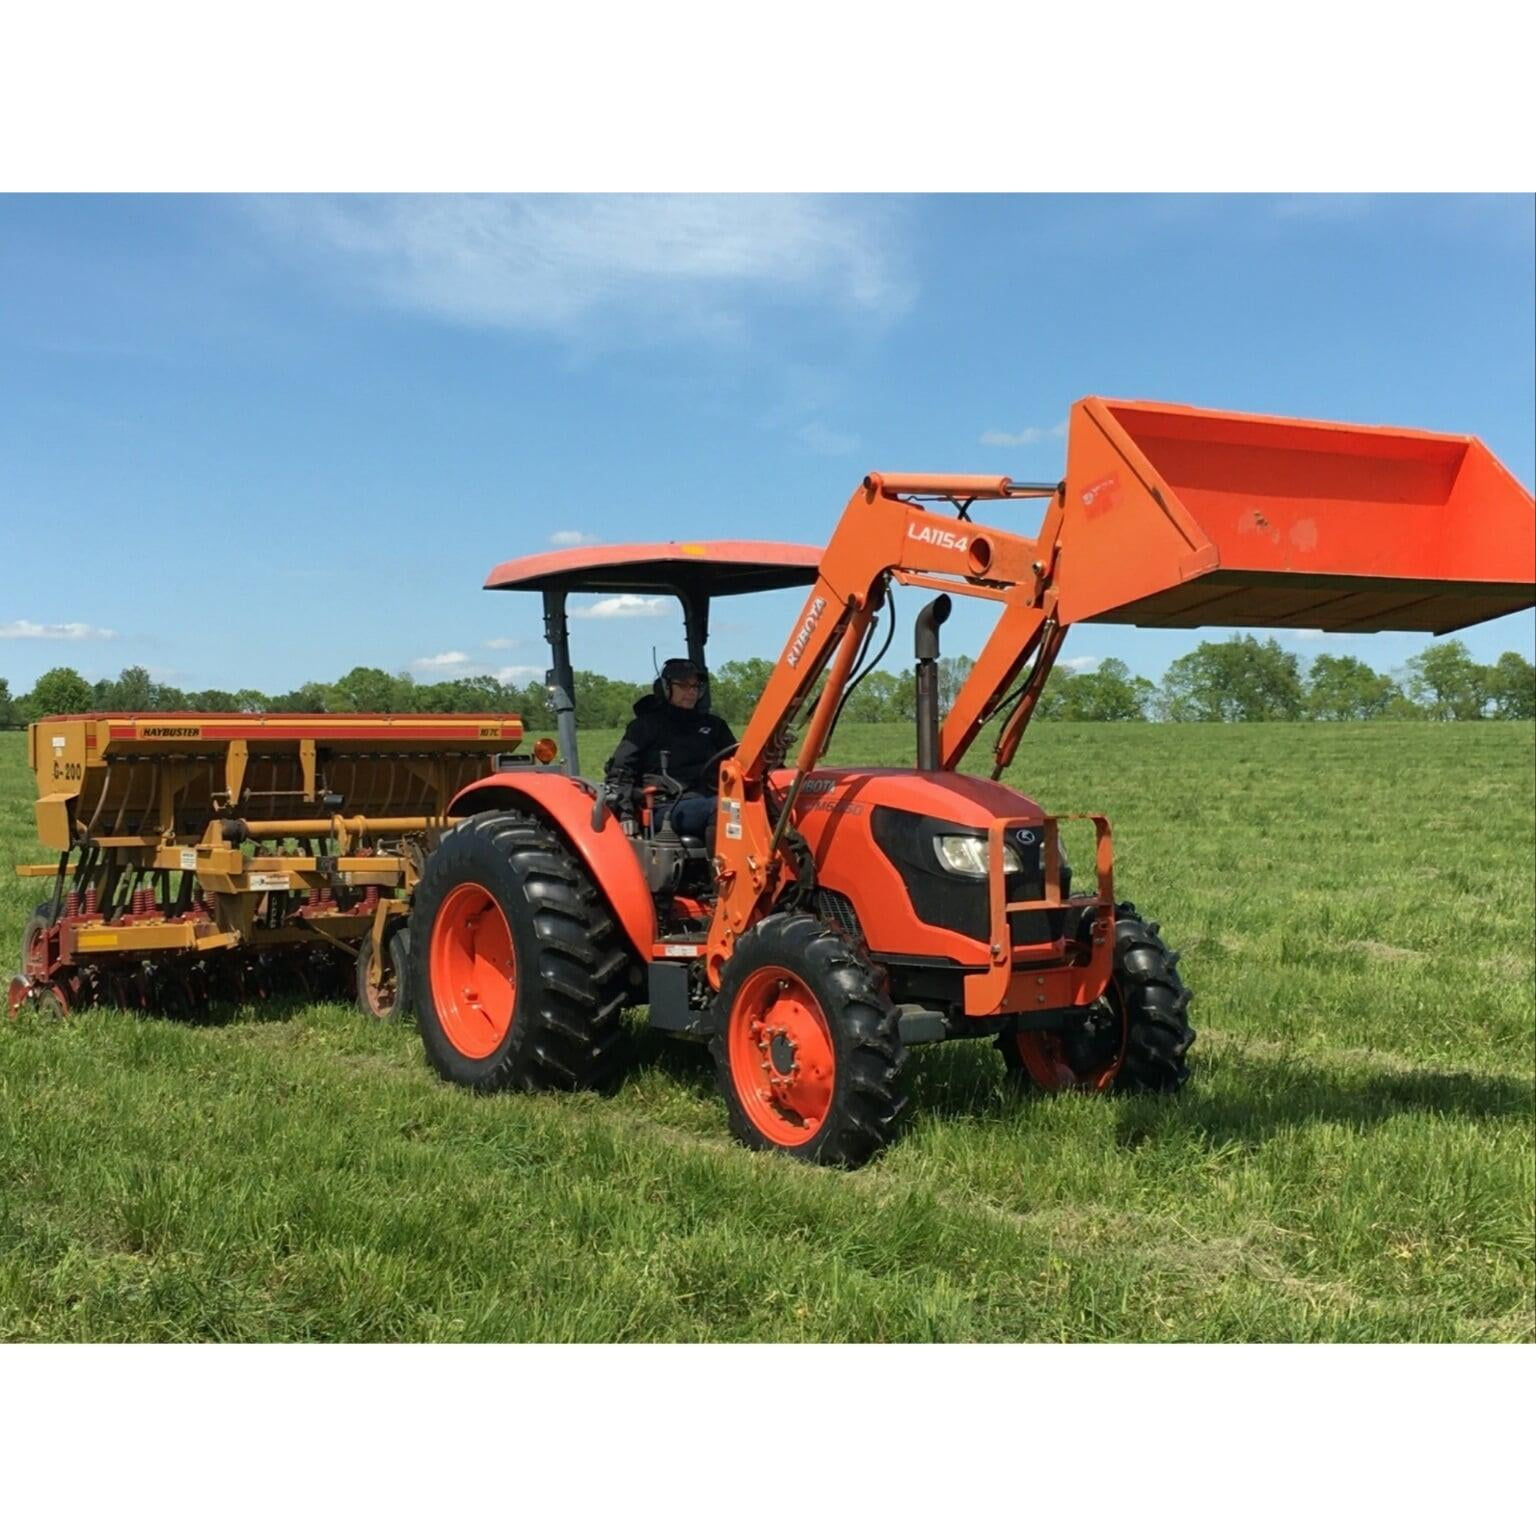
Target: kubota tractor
x,y
844,914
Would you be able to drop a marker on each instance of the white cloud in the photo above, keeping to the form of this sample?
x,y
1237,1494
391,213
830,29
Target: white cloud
x,y
822,439
1080,663
1023,437
25,629
444,661
1271,631
626,607
504,643
569,538
548,263
517,674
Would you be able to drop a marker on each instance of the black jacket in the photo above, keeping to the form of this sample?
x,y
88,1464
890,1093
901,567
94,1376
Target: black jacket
x,y
689,737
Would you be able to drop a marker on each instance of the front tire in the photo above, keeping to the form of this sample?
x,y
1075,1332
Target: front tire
x,y
517,966
807,1051
1135,1039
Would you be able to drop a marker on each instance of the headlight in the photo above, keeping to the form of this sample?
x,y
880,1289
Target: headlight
x,y
962,855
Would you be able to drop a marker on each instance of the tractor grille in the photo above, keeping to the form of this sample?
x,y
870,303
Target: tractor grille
x,y
835,908
957,902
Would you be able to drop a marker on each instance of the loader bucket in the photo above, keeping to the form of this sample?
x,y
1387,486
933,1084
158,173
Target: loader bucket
x,y
1176,517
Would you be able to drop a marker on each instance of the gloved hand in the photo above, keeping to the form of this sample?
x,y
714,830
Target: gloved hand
x,y
621,795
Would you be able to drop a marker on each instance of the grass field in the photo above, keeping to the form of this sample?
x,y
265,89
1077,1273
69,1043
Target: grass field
x,y
1354,1159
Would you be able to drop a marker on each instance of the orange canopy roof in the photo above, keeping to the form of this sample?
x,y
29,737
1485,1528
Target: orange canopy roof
x,y
719,567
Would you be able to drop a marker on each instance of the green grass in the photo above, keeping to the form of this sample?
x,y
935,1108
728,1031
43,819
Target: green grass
x,y
1352,1161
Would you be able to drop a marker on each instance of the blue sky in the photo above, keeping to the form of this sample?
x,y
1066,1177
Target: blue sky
x,y
256,441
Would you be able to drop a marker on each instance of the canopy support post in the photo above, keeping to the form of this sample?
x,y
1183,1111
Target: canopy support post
x,y
559,679
696,632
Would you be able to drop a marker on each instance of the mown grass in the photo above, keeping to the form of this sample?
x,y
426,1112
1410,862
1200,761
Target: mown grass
x,y
1353,1160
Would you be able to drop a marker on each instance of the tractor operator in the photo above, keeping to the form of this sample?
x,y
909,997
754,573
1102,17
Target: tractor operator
x,y
668,721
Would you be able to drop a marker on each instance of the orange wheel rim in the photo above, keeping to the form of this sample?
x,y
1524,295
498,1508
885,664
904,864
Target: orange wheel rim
x,y
782,1059
1043,1054
473,971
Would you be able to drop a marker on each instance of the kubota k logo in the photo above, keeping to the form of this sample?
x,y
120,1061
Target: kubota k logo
x,y
926,533
806,630
1102,496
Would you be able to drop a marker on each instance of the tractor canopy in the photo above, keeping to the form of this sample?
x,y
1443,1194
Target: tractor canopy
x,y
711,568
693,573
1176,517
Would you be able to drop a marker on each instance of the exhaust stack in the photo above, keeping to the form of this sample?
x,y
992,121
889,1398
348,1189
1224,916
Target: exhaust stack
x,y
926,644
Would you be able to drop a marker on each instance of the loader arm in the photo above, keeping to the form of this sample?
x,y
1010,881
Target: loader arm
x,y
1167,516
884,532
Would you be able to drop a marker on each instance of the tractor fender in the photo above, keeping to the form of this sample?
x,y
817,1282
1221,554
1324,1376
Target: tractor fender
x,y
609,859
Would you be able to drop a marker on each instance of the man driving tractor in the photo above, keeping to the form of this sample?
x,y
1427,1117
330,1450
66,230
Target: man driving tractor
x,y
672,735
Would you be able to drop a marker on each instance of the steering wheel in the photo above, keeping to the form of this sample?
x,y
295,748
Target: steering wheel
x,y
720,756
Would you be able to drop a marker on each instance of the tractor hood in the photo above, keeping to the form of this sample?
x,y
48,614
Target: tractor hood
x,y
830,795
872,834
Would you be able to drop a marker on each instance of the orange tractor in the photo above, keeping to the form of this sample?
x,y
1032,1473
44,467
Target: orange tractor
x,y
843,914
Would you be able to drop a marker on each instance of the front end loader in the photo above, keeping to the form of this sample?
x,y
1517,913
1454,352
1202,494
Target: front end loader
x,y
845,914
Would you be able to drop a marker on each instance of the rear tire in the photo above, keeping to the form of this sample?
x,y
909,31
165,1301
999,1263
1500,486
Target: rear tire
x,y
806,1045
1135,1039
518,969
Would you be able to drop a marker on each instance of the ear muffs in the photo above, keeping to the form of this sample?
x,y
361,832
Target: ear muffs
x,y
673,671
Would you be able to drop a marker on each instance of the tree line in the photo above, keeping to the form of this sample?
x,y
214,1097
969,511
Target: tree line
x,y
1239,679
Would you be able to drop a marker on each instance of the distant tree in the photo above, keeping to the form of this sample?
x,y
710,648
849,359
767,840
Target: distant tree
x,y
1401,707
736,686
1344,688
307,699
60,691
953,671
7,703
1445,682
368,691
1511,683
465,695
530,703
133,692
1110,692
605,703
1237,679
883,697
